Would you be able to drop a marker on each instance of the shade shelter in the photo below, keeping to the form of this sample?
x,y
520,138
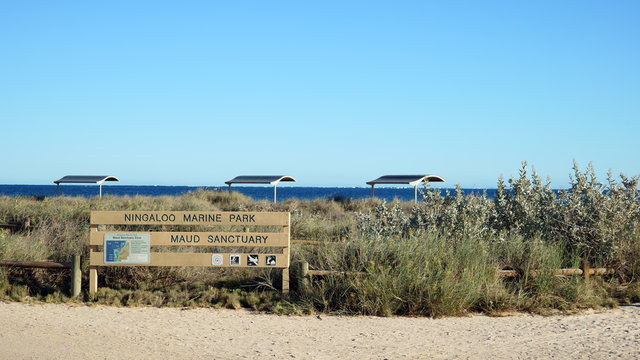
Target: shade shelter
x,y
413,180
85,179
260,179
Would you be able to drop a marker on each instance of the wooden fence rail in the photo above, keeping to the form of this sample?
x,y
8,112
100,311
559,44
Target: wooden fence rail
x,y
17,226
318,242
37,264
305,274
561,272
75,266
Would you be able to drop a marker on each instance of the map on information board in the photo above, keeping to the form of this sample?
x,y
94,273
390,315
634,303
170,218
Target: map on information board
x,y
126,248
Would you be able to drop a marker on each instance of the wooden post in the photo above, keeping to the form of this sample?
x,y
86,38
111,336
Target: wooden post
x,y
274,194
76,276
586,270
229,188
415,194
27,226
58,190
371,191
93,271
304,279
286,252
285,281
100,191
93,280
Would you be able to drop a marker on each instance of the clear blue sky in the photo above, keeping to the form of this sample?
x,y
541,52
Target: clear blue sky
x,y
334,93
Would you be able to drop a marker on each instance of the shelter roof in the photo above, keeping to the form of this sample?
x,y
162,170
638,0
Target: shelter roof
x,y
405,179
259,179
86,179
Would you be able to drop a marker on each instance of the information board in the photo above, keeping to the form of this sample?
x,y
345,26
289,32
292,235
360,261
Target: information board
x,y
126,248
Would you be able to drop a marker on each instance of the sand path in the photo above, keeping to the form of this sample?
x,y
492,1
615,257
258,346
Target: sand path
x,y
53,331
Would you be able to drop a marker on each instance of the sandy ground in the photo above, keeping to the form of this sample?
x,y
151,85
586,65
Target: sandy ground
x,y
54,331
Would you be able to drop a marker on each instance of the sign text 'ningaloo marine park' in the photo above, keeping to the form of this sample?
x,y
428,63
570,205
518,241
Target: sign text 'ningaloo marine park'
x,y
187,218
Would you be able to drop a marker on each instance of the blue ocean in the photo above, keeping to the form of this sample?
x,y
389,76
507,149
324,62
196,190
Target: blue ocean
x,y
255,192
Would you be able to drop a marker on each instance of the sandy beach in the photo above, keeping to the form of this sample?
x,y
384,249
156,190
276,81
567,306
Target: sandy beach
x,y
53,331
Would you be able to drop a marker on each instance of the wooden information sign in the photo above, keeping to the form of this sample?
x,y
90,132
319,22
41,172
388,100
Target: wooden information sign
x,y
133,248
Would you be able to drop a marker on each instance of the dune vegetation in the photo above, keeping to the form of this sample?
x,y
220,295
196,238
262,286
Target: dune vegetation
x,y
435,258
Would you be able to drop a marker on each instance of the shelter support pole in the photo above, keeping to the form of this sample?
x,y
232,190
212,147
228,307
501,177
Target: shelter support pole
x,y
229,188
100,191
58,190
371,191
415,194
274,194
